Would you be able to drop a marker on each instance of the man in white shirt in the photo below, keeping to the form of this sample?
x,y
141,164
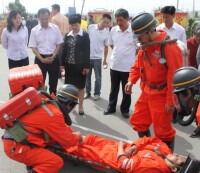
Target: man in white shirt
x,y
174,30
123,56
45,40
99,35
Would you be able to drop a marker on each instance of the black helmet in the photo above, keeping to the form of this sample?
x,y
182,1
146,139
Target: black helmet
x,y
142,23
67,92
185,78
190,166
67,98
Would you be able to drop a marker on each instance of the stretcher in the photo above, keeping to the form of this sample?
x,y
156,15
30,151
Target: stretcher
x,y
57,149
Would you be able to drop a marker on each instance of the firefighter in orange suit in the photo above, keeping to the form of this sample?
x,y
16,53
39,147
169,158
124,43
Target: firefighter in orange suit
x,y
186,83
155,103
145,155
45,125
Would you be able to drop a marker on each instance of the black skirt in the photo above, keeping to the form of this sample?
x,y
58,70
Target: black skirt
x,y
74,76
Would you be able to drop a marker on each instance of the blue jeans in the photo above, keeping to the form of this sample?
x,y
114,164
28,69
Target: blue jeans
x,y
96,65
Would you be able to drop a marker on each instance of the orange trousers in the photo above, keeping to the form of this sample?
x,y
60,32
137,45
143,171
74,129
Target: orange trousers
x,y
42,160
151,109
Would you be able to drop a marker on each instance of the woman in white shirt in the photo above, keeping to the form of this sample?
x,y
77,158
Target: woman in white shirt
x,y
14,39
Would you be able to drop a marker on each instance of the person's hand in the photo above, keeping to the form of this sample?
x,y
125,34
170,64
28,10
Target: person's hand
x,y
128,88
105,65
47,60
62,68
80,137
121,144
169,109
85,71
131,151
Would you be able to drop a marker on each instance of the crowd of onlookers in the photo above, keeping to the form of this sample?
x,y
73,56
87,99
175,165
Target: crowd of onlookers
x,y
59,42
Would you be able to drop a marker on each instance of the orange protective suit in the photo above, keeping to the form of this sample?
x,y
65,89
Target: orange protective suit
x,y
47,119
104,151
150,107
198,115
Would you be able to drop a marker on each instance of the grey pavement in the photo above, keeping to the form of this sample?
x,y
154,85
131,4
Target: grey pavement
x,y
109,126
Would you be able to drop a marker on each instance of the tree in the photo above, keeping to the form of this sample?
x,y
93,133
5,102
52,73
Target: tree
x,y
18,6
191,26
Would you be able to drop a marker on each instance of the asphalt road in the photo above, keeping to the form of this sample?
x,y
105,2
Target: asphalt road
x,y
110,126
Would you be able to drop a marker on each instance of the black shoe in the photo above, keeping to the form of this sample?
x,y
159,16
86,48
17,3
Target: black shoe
x,y
108,112
196,133
81,113
125,115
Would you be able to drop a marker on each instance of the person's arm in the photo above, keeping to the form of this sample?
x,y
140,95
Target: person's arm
x,y
198,57
37,54
110,38
105,56
4,39
173,63
124,163
26,39
86,49
183,39
64,51
60,132
56,51
135,73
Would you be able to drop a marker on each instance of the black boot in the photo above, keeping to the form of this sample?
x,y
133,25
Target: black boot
x,y
30,170
196,133
145,133
170,144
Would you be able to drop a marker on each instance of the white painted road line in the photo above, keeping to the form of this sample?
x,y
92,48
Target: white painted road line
x,y
101,133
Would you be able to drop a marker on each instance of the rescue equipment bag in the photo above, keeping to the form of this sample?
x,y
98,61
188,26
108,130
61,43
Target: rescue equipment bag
x,y
20,78
18,106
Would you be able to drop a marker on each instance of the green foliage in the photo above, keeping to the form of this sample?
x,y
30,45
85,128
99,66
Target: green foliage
x,y
191,26
18,6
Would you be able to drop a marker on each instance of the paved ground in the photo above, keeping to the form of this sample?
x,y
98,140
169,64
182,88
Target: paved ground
x,y
110,126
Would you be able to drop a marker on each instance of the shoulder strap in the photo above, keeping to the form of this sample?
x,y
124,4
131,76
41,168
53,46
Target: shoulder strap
x,y
162,47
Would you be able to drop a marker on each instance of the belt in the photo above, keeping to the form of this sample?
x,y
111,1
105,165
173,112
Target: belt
x,y
46,55
158,87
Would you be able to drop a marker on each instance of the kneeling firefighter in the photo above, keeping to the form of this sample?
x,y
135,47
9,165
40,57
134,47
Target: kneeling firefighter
x,y
44,126
186,84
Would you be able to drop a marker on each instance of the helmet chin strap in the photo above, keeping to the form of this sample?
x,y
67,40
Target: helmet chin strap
x,y
150,37
67,118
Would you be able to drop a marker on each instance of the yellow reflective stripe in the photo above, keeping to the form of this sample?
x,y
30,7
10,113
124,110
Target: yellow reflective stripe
x,y
69,94
144,26
187,82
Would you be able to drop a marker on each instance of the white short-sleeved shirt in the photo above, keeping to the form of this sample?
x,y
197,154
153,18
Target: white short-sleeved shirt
x,y
124,47
98,40
175,32
16,43
45,40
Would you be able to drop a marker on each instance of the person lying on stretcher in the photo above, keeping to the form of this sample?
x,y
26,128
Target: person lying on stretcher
x,y
145,155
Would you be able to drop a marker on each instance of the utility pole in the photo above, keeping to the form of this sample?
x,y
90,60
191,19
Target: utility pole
x,y
177,4
3,6
82,7
193,9
74,3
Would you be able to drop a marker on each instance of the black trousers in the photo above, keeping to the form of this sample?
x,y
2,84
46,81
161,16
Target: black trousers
x,y
53,70
116,78
20,63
